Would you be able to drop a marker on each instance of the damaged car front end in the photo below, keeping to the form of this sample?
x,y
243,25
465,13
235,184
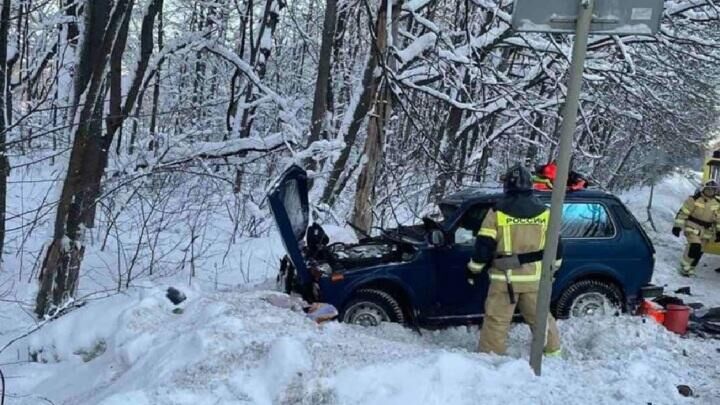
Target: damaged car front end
x,y
313,266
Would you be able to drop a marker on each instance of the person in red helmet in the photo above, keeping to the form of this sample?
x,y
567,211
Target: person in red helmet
x,y
545,175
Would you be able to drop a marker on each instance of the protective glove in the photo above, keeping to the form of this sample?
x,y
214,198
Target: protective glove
x,y
676,231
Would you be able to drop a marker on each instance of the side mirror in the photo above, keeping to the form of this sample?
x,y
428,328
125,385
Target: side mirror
x,y
437,238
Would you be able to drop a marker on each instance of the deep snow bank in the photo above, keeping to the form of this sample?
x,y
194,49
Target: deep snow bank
x,y
236,348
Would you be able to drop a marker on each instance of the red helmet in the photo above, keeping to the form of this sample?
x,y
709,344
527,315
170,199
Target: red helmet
x,y
550,170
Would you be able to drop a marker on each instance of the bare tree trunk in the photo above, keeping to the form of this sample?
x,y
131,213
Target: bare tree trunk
x,y
4,98
88,158
464,143
370,85
481,171
156,88
447,156
116,80
532,151
365,190
364,194
649,207
322,84
199,77
371,81
245,25
66,250
258,58
68,53
271,17
612,182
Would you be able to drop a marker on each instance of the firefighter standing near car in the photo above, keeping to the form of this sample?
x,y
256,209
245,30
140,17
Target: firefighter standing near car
x,y
509,246
698,220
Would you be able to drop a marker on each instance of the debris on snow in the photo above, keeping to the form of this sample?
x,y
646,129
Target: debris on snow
x,y
685,390
175,296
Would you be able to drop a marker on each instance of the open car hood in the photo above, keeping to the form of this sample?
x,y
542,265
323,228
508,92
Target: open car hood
x,y
288,200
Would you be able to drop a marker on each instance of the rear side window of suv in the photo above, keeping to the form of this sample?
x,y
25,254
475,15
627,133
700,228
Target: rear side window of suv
x,y
586,220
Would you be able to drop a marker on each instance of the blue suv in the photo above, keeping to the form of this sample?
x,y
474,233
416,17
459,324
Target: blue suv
x,y
416,274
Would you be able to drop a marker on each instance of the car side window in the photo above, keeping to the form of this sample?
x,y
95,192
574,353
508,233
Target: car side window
x,y
586,220
469,225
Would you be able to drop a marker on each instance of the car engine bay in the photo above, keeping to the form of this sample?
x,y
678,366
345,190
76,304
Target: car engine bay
x,y
386,248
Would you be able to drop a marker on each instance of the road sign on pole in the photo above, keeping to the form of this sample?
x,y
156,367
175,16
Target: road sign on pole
x,y
610,17
583,17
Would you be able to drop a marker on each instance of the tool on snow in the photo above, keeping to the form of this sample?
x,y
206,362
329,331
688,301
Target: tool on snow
x,y
683,290
685,390
175,296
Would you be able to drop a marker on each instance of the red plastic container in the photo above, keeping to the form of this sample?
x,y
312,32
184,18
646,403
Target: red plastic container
x,y
653,311
676,318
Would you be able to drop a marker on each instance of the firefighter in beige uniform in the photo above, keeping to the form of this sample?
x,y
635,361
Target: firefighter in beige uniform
x,y
698,218
510,246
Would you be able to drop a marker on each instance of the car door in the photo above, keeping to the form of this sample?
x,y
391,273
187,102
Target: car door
x,y
455,297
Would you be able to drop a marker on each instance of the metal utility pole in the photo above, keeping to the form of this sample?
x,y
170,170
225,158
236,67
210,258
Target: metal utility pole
x,y
570,112
582,17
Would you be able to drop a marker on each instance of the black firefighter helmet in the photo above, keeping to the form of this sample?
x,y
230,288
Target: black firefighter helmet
x,y
517,180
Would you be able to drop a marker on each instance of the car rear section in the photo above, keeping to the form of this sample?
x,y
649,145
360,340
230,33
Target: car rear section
x,y
609,259
640,285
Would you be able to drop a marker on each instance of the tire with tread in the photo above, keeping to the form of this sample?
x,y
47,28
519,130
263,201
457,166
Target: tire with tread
x,y
391,308
567,298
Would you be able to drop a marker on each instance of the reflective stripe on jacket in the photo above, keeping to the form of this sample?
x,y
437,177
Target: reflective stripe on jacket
x,y
695,211
516,236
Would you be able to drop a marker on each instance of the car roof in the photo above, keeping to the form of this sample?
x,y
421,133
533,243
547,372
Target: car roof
x,y
484,194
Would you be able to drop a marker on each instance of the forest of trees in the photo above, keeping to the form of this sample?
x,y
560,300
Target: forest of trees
x,y
182,112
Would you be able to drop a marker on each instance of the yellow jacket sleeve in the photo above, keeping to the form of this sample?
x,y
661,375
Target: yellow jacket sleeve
x,y
684,212
485,243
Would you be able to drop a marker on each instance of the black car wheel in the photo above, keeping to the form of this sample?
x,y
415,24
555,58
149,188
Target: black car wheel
x,y
589,298
370,307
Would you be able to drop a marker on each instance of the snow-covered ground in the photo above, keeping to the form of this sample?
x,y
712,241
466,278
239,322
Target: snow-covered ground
x,y
231,346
